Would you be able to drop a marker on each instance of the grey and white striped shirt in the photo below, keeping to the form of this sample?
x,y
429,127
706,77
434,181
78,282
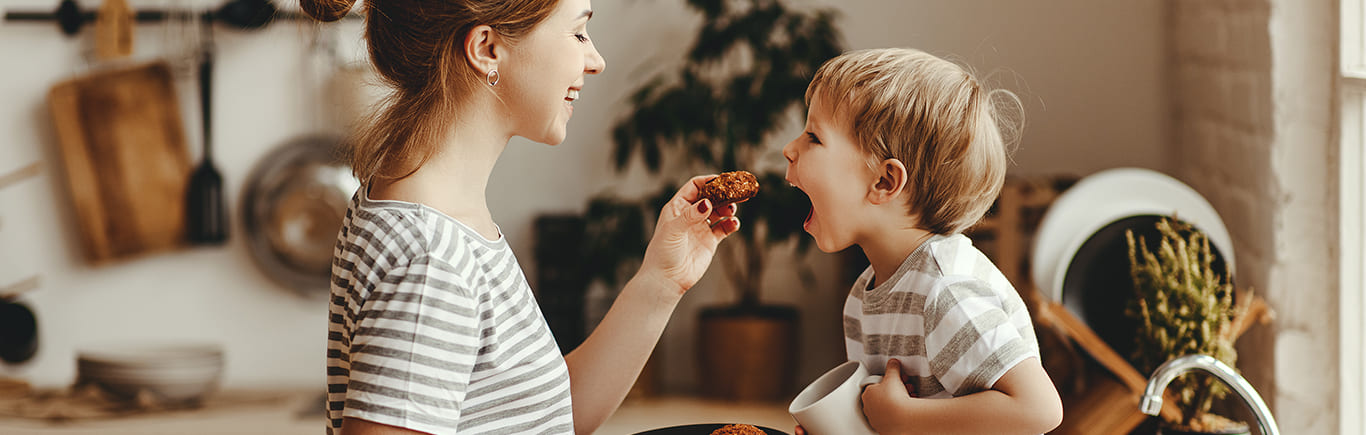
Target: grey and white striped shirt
x,y
950,317
434,328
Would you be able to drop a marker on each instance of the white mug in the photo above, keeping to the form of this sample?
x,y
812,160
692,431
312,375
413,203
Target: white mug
x,y
833,403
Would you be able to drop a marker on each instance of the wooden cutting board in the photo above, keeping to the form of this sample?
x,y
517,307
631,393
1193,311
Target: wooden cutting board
x,y
126,165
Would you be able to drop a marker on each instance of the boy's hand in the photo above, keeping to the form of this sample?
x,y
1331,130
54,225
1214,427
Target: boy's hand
x,y
884,400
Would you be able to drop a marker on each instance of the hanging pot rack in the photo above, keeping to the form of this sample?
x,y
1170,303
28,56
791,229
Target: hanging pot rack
x,y
244,14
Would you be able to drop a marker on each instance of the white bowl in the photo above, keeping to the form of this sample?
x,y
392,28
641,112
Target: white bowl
x,y
174,375
141,355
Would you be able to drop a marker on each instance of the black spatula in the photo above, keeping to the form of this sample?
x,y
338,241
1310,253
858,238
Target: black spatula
x,y
206,220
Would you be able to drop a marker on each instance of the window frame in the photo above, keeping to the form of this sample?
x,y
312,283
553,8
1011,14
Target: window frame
x,y
1352,215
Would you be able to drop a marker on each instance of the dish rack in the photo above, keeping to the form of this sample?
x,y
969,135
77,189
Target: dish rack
x,y
1095,402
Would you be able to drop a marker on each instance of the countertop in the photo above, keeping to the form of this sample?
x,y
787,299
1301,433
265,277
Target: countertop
x,y
294,412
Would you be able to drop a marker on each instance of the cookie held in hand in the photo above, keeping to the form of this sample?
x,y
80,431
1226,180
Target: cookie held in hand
x,y
731,187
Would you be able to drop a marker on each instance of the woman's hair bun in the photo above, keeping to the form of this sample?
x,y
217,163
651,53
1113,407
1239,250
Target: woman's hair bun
x,y
327,10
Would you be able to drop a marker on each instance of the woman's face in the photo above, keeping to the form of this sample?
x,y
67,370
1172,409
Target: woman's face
x,y
826,164
546,72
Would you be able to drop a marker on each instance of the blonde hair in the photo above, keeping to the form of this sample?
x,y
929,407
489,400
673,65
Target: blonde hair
x,y
417,47
931,114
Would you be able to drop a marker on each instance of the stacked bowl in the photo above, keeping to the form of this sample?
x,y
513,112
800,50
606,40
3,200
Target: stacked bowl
x,y
170,375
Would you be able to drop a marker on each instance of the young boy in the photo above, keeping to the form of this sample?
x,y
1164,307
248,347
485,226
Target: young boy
x,y
901,152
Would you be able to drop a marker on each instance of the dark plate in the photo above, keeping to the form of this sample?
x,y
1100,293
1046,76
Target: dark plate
x,y
701,429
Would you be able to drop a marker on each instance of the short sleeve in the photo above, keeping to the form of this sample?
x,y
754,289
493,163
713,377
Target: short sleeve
x,y
970,341
414,349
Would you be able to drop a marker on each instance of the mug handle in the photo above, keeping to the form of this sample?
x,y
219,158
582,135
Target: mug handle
x,y
870,380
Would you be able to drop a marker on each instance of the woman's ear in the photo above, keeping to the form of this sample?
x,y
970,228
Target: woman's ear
x,y
480,46
890,183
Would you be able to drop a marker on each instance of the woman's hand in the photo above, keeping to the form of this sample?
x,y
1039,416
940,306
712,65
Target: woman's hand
x,y
686,235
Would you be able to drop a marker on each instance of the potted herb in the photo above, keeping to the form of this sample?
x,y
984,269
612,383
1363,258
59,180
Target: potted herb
x,y
1184,306
743,78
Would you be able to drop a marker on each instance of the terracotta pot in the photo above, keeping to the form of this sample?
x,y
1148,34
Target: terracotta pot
x,y
747,354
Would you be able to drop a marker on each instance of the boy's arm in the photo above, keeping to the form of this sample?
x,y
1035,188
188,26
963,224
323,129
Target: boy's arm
x,y
1023,401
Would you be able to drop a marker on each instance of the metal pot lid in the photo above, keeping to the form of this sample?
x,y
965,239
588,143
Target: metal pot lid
x,y
293,206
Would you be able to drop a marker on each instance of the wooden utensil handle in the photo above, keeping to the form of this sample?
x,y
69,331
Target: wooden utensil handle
x,y
114,30
11,291
32,170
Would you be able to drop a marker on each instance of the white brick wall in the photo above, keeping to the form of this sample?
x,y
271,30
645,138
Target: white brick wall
x,y
1252,131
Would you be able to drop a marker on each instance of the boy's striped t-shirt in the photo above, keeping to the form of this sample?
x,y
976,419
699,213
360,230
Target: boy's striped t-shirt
x,y
947,314
434,328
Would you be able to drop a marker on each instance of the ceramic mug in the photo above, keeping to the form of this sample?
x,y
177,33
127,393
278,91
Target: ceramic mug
x,y
833,403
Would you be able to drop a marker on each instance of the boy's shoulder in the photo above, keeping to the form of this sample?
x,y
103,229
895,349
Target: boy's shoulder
x,y
955,257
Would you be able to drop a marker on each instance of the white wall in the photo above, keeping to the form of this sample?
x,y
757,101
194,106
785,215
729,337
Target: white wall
x,y
1255,133
1089,72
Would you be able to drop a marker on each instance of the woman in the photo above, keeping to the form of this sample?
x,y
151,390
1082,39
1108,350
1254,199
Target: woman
x,y
433,327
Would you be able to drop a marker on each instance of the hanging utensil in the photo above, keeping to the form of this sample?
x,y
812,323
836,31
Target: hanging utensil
x,y
293,204
182,38
206,218
114,30
124,158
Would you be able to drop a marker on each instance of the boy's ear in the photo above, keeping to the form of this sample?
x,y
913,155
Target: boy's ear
x,y
890,183
482,47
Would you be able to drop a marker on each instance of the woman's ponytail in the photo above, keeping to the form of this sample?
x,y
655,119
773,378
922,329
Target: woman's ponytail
x,y
326,10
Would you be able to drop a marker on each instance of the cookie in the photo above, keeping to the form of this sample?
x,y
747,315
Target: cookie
x,y
731,187
738,429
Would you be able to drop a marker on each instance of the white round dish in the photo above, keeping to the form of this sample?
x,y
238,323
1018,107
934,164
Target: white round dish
x,y
154,354
1109,196
175,374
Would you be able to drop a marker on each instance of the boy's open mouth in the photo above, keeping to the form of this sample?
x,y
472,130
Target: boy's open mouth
x,y
804,202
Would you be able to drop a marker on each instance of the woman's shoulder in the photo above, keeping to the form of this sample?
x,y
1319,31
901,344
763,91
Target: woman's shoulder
x,y
389,230
411,230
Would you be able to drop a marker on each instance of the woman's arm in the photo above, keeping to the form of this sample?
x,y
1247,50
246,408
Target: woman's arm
x,y
1023,401
603,368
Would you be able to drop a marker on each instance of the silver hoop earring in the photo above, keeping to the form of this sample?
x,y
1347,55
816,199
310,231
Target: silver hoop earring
x,y
493,77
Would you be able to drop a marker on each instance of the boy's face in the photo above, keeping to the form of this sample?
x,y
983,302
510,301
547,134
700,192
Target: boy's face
x,y
826,164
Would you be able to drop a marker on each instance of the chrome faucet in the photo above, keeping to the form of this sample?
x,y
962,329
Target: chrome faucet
x,y
1151,403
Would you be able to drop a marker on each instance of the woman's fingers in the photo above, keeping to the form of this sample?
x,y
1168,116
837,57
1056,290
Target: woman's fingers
x,y
727,210
703,209
692,190
726,226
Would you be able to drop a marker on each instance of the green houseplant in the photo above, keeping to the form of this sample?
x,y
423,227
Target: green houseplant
x,y
743,78
1184,306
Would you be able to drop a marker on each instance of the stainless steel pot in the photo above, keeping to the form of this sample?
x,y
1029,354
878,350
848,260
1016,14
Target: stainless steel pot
x,y
293,205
